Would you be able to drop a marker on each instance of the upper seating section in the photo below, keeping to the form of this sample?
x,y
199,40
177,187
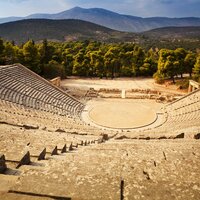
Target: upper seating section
x,y
190,99
188,105
22,86
183,113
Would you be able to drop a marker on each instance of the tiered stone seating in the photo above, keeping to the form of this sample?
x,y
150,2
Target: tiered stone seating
x,y
185,112
40,120
21,86
17,141
150,170
18,115
182,115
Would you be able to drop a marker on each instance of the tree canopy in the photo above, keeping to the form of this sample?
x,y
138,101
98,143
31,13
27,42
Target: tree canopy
x,y
96,59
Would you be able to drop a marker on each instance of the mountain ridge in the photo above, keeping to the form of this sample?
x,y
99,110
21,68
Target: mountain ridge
x,y
113,20
60,30
78,30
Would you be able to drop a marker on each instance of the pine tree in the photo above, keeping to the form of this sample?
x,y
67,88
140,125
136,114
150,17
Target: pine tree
x,y
31,56
1,51
196,69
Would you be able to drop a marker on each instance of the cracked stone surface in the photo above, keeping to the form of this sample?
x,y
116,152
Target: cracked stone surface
x,y
95,171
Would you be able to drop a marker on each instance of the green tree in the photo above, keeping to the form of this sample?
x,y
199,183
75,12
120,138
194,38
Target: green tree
x,y
127,63
9,53
31,56
79,64
54,69
149,67
97,63
20,56
180,55
1,51
138,60
196,69
189,61
167,65
46,52
68,63
112,62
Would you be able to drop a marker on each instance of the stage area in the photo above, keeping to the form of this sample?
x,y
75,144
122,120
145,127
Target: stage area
x,y
122,113
118,83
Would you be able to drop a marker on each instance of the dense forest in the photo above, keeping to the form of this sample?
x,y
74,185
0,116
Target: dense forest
x,y
97,59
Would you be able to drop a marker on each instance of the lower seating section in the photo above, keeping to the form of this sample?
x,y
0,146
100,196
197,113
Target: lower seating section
x,y
15,114
17,141
148,170
30,139
21,86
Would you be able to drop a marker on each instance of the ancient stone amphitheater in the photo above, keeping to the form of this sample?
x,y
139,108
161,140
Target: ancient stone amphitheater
x,y
47,150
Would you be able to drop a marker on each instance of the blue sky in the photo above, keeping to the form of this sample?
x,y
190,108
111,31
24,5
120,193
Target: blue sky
x,y
142,8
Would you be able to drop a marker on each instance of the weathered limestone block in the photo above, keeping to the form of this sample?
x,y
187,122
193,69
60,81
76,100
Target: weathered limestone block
x,y
105,137
61,130
30,127
179,136
71,147
42,155
55,151
25,160
76,146
64,149
197,136
3,166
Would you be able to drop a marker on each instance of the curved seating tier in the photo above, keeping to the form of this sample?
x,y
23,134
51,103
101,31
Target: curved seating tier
x,y
18,115
185,112
21,86
181,115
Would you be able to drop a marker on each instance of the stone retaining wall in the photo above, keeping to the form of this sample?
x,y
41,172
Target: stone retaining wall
x,y
56,81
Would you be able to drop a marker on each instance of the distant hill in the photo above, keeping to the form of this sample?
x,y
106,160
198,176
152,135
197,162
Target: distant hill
x,y
60,30
171,38
114,20
174,33
10,19
78,30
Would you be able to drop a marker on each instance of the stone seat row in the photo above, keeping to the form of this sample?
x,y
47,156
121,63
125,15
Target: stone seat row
x,y
189,109
181,115
21,140
37,83
26,158
192,98
37,101
17,114
142,165
20,90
